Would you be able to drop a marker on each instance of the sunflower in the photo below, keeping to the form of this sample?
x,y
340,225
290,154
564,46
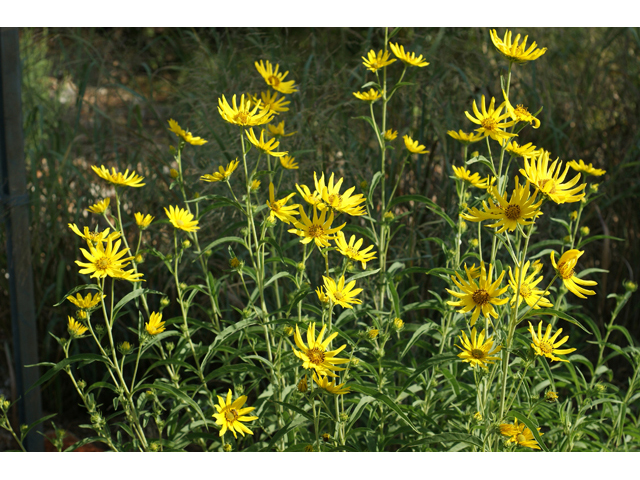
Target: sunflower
x,y
372,95
223,174
331,386
280,209
265,147
288,162
278,131
129,275
182,219
243,115
525,151
582,167
480,296
549,181
520,434
318,230
331,196
375,62
528,291
408,58
476,350
87,302
324,299
565,269
274,78
155,324
473,179
545,346
491,121
75,329
271,102
340,293
118,178
100,207
465,138
104,261
514,52
231,415
352,249
143,221
390,135
520,113
314,355
520,209
93,237
186,136
414,146
311,198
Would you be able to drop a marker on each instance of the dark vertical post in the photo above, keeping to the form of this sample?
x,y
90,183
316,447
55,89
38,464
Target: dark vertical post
x,y
15,203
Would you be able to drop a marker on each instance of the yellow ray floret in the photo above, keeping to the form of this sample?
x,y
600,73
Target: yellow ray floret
x,y
520,434
118,178
352,249
565,268
280,208
243,115
316,229
331,196
375,62
331,386
265,147
74,328
465,138
93,237
223,174
582,167
143,221
408,58
104,261
514,51
525,151
231,415
101,206
270,101
473,179
314,354
371,96
520,113
182,219
546,346
414,146
155,324
274,78
87,302
549,181
528,291
476,350
491,121
185,135
278,130
288,162
340,293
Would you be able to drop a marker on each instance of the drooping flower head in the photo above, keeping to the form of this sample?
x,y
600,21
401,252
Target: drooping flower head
x,y
185,135
414,146
520,113
473,179
75,329
278,130
491,121
274,78
528,291
352,249
117,178
546,346
525,151
477,350
181,218
87,302
265,147
340,293
374,61
155,324
288,162
100,207
231,415
408,58
514,51
244,115
271,101
465,138
223,174
583,167
520,434
331,386
565,268
314,354
93,237
549,181
372,95
390,134
280,208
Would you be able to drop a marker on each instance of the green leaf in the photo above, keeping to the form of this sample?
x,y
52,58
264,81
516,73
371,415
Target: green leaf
x,y
360,275
387,401
178,394
556,313
225,240
448,438
530,425
432,362
374,183
83,357
131,296
483,160
77,289
427,271
422,199
230,330
416,335
597,237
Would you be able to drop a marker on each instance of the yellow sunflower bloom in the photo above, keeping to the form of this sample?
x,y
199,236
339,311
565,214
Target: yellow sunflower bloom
x,y
274,78
352,249
520,113
255,185
375,62
520,209
549,181
186,136
414,146
317,229
75,329
491,121
288,162
155,324
314,354
565,268
87,302
324,299
271,102
476,351
478,296
118,178
181,218
525,151
473,179
223,174
545,346
465,138
331,386
101,206
372,95
104,261
143,221
278,131
409,57
520,434
342,294
514,52
93,237
528,291
244,115
313,199
129,275
231,415
280,208
265,147
390,135
331,197
582,167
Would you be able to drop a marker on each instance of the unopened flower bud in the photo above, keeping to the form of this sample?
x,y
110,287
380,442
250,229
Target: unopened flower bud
x,y
364,184
373,333
81,315
600,388
308,448
584,231
594,187
475,154
174,173
463,226
551,396
344,417
186,243
183,286
388,216
300,266
139,258
355,361
164,301
567,239
477,417
303,386
154,446
125,348
234,263
288,331
573,215
326,437
630,286
227,447
82,384
473,243
398,323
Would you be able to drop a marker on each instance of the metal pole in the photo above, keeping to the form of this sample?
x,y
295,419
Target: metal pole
x,y
15,210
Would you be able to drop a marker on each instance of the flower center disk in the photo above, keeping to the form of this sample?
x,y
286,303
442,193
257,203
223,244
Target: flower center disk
x,y
513,212
480,297
316,356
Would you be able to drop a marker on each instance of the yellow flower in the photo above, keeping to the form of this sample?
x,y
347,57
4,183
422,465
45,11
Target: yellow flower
x,y
480,296
223,174
280,209
314,355
255,185
231,415
390,135
342,294
104,261
93,237
265,147
408,58
318,230
182,219
528,291
373,333
303,385
311,198
243,115
545,346
288,162
474,179
372,95
331,196
274,78
117,178
514,52
375,62
551,396
520,113
398,323
100,207
186,136
279,130
271,102
128,275
525,151
414,146
520,434
549,181
491,121
331,386
507,213
87,302
580,167
75,329
465,138
565,268
155,324
352,249
476,351
143,221
324,299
